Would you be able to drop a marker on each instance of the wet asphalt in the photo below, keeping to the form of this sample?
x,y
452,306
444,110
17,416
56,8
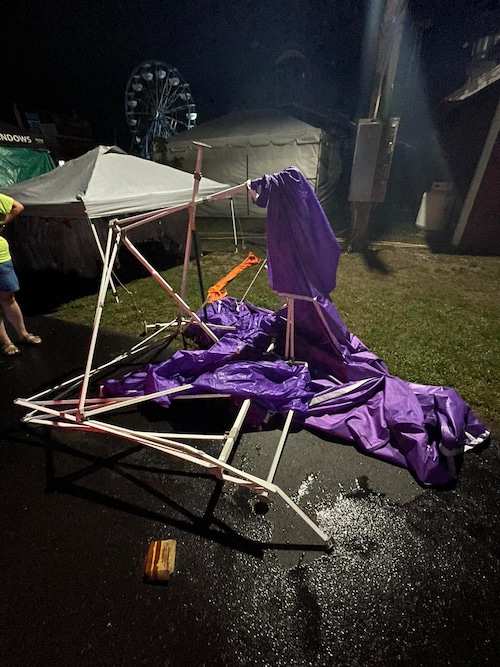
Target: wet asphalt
x,y
412,578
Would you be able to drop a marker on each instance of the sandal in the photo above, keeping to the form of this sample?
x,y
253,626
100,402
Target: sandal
x,y
31,339
9,349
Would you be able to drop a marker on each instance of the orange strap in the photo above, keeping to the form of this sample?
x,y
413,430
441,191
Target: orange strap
x,y
217,291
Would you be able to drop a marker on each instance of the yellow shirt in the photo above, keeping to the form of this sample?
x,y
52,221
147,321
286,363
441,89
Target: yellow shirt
x,y
5,207
4,250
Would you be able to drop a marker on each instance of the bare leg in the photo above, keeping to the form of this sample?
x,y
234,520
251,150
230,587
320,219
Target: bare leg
x,y
7,346
12,313
4,336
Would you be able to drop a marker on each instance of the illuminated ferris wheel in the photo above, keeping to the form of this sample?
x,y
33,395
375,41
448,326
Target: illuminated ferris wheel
x,y
158,103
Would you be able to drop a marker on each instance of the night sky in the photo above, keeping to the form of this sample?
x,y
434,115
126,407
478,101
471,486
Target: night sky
x,y
69,56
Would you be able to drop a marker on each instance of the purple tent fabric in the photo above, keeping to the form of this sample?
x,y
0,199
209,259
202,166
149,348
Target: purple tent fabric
x,y
343,388
302,251
276,384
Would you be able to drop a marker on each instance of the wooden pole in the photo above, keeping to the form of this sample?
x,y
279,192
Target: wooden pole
x,y
389,46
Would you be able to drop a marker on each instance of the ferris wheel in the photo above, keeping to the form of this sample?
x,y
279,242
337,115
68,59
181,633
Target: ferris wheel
x,y
158,103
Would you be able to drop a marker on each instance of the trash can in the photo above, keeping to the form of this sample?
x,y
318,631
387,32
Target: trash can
x,y
435,207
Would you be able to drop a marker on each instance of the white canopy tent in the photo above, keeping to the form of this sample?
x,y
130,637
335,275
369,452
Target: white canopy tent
x,y
246,144
107,182
104,183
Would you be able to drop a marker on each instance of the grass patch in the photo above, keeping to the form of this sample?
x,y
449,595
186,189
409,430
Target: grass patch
x,y
434,319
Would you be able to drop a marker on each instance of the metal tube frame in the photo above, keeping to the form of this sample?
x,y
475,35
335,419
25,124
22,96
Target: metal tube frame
x,y
55,409
66,414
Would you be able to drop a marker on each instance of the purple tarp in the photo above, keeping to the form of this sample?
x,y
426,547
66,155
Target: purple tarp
x,y
302,251
343,388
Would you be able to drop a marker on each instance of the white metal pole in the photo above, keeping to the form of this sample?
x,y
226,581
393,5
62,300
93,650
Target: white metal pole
x,y
156,275
235,431
290,337
109,258
262,266
192,216
101,252
303,516
279,448
235,235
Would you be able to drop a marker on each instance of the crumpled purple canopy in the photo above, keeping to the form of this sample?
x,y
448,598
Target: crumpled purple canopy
x,y
302,251
343,388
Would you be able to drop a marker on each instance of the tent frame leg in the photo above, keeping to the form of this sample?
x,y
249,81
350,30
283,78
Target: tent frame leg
x,y
66,414
52,408
290,323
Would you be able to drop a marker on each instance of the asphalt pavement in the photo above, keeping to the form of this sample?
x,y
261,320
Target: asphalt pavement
x,y
412,577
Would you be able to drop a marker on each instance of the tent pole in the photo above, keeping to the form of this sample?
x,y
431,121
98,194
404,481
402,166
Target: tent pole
x,y
279,448
192,216
141,219
101,252
235,235
187,257
182,304
314,301
290,329
109,258
263,265
203,294
165,442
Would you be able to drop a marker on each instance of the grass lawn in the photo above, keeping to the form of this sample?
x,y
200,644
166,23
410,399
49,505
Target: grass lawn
x,y
434,319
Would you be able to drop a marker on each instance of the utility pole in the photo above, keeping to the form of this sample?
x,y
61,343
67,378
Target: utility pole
x,y
376,135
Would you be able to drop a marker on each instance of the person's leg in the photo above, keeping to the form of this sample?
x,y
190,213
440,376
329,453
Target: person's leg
x,y
12,313
4,336
6,345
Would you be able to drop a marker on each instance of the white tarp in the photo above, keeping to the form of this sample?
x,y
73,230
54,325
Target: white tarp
x,y
248,144
54,232
107,182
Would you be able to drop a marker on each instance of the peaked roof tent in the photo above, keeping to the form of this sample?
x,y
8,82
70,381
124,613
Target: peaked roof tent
x,y
249,128
106,182
246,144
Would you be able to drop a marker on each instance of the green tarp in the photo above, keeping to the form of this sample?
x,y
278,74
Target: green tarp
x,y
21,164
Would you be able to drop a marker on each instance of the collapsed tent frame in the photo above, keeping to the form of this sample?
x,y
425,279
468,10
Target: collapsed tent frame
x,y
52,409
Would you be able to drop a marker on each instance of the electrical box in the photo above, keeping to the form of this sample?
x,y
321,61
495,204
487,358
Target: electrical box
x,y
364,164
371,165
